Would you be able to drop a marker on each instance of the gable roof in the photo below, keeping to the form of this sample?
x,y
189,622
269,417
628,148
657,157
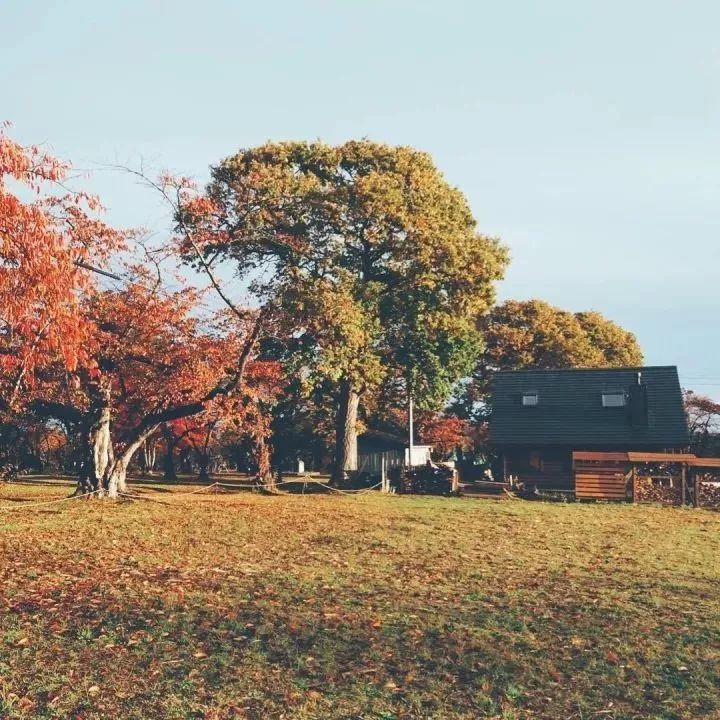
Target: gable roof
x,y
570,409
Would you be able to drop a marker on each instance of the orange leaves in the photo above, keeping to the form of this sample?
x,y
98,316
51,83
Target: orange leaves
x,y
157,352
41,241
445,432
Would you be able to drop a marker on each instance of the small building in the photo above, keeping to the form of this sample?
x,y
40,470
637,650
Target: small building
x,y
540,417
375,446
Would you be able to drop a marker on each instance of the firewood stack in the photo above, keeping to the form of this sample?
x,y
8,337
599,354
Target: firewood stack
x,y
708,494
426,480
648,491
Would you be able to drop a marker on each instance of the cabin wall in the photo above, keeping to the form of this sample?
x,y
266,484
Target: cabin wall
x,y
546,467
550,466
370,462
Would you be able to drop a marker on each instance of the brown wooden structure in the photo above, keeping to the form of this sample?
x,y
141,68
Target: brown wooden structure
x,y
600,475
704,479
671,478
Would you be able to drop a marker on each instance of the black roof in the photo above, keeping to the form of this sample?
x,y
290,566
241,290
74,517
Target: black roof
x,y
570,411
381,439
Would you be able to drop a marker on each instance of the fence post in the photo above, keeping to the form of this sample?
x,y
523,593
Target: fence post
x,y
634,490
696,488
683,480
383,474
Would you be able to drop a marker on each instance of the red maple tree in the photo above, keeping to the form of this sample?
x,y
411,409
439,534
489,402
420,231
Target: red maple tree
x,y
49,238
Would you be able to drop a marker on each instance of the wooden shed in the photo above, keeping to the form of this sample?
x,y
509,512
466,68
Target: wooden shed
x,y
635,476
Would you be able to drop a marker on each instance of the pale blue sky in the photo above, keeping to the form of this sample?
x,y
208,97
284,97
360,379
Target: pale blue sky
x,y
585,133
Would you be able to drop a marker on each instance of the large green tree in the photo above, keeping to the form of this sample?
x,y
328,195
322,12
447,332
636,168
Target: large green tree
x,y
536,334
375,259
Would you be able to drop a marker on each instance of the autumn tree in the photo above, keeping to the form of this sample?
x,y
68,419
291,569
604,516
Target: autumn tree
x,y
150,360
446,433
49,238
374,258
535,334
703,417
244,416
112,365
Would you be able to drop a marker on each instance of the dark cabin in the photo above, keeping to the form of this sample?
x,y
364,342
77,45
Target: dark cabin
x,y
539,417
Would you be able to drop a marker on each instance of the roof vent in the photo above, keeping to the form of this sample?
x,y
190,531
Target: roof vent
x,y
613,398
530,398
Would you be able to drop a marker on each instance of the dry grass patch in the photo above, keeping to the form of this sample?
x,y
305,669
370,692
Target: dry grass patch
x,y
239,605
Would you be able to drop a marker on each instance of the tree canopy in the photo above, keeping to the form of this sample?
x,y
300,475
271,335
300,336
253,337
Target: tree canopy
x,y
366,282
375,259
703,416
535,334
48,238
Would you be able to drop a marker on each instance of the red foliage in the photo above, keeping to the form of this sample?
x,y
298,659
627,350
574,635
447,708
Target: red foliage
x,y
703,416
445,433
44,234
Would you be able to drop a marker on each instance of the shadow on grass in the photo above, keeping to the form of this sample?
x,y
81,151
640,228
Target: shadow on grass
x,y
205,645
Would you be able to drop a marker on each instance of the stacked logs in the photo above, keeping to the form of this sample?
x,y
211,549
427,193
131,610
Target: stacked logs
x,y
708,494
8,473
648,491
428,479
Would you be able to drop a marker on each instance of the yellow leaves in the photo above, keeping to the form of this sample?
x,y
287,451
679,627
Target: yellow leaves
x,y
534,333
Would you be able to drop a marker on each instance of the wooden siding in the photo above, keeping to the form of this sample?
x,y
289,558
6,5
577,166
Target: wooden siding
x,y
600,483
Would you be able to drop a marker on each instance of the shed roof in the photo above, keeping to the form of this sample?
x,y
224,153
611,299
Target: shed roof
x,y
569,408
637,457
705,462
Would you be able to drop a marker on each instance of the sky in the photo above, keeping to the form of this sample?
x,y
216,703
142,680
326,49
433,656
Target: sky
x,y
585,134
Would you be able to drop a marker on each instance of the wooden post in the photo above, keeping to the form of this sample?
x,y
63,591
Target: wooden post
x,y
455,481
696,487
634,477
411,444
683,480
504,466
383,475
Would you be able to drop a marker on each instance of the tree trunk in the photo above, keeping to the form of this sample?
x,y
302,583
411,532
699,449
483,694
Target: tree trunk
x,y
148,456
203,461
142,461
185,460
97,449
116,481
169,472
346,434
203,453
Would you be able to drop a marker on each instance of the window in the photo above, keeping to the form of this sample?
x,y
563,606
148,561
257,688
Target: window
x,y
530,399
613,398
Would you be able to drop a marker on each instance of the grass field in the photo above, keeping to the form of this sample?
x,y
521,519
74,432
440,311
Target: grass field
x,y
249,606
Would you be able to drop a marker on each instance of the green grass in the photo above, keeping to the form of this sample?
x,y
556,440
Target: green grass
x,y
369,607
